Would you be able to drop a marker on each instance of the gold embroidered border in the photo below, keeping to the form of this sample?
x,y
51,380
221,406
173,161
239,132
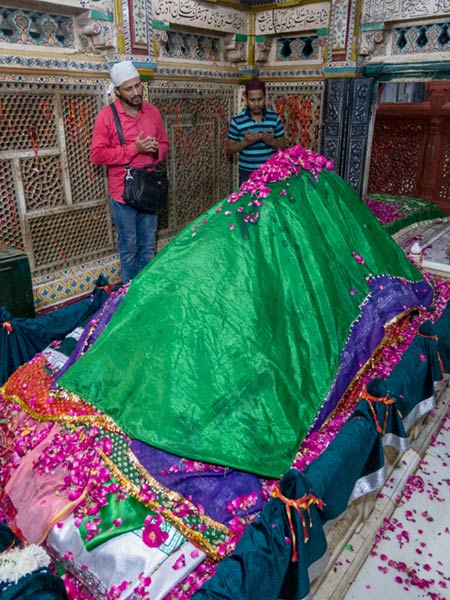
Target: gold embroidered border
x,y
194,536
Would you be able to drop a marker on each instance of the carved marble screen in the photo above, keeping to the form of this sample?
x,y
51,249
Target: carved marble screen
x,y
52,200
197,120
300,109
393,171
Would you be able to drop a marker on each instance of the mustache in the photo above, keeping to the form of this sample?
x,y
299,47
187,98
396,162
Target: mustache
x,y
131,100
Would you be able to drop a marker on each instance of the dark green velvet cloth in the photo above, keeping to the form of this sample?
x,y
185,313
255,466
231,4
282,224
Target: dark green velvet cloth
x,y
26,337
389,421
38,585
261,567
334,472
8,538
442,329
412,380
261,561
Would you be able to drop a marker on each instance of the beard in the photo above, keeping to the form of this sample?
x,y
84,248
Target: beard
x,y
134,102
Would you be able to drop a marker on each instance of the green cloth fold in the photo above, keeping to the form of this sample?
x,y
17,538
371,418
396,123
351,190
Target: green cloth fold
x,y
441,329
413,378
116,518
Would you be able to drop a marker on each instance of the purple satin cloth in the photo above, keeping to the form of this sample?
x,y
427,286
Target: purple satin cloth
x,y
101,319
214,489
389,297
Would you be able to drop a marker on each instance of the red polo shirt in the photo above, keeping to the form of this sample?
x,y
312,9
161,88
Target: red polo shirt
x,y
106,148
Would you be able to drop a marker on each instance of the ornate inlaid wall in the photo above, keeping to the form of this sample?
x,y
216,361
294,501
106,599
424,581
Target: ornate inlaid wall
x,y
52,199
320,59
394,32
194,56
53,203
196,118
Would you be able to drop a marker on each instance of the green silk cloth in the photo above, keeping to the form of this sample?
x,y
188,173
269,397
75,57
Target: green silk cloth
x,y
226,345
116,517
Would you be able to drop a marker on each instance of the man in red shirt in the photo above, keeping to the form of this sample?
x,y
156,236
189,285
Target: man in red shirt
x,y
146,143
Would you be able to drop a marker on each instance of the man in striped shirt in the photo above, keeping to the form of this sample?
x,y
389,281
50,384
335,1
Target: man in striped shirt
x,y
255,133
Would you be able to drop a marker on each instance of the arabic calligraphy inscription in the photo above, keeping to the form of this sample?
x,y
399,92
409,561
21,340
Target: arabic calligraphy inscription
x,y
189,12
394,10
300,18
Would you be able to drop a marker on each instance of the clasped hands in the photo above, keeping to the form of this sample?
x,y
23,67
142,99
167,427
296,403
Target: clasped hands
x,y
147,144
267,137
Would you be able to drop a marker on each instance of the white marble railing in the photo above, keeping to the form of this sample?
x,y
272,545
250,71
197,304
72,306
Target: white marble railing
x,y
351,537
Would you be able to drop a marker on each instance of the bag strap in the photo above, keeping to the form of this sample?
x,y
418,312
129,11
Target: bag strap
x,y
121,137
118,124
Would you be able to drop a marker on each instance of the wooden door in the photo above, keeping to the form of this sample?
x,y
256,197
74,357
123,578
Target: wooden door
x,y
411,147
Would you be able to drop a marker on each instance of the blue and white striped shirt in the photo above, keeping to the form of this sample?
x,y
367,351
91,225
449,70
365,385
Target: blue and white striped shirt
x,y
253,156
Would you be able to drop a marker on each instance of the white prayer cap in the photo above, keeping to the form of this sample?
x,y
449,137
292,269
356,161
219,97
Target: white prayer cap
x,y
123,71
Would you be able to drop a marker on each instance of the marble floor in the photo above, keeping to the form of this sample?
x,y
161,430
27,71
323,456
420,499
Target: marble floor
x,y
410,558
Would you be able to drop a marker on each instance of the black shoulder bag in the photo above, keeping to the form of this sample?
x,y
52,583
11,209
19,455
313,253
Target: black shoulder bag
x,y
145,191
